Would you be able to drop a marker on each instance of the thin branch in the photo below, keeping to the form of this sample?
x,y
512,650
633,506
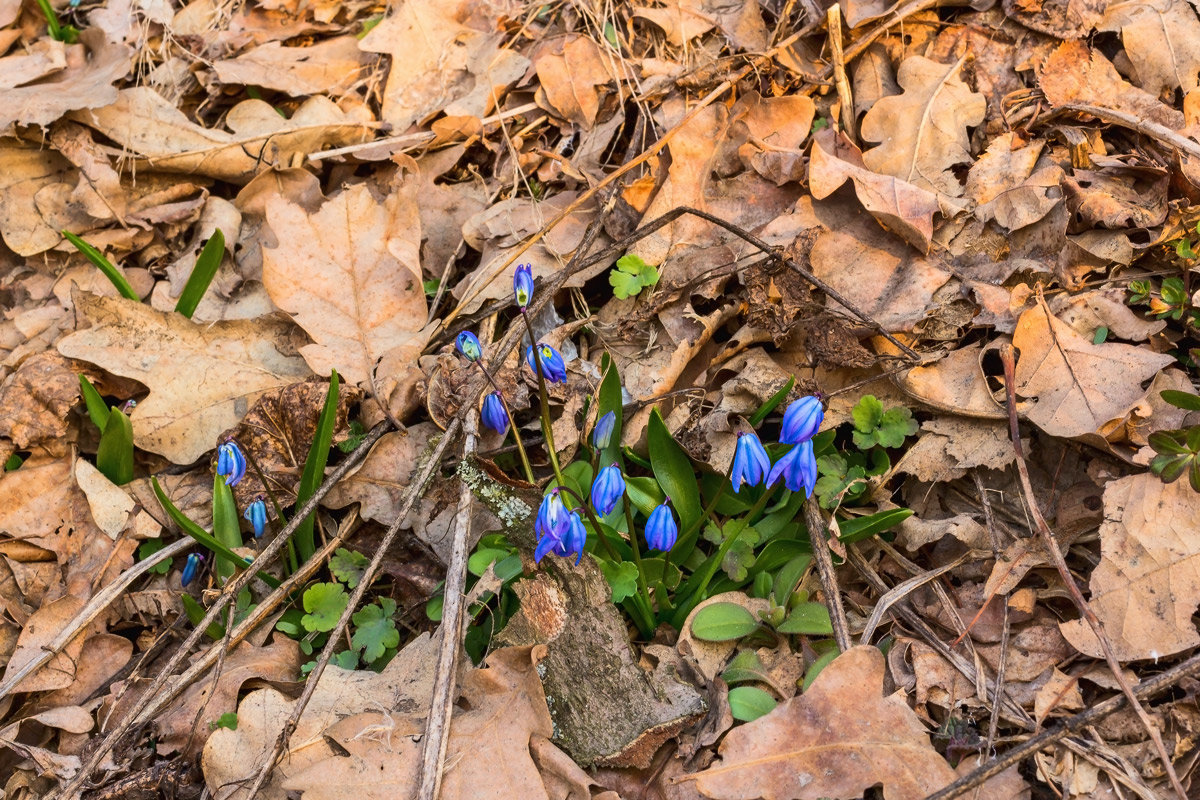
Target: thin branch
x,y
818,533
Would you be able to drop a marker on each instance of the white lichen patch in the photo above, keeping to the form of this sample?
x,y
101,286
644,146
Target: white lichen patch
x,y
509,509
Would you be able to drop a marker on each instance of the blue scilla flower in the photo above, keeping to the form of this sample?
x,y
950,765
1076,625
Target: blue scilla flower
x,y
468,344
607,489
523,285
602,433
798,468
552,362
661,529
493,414
552,521
191,567
802,420
750,462
231,463
256,513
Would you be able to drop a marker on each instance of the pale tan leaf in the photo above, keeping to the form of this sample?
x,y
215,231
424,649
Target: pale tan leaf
x,y
1075,74
1079,386
923,132
110,504
680,20
29,221
570,71
147,125
379,482
1147,585
332,66
39,630
1005,187
350,273
202,378
1162,39
835,740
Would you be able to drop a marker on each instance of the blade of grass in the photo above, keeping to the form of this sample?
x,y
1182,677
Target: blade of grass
x,y
202,536
202,274
104,265
114,456
314,468
96,407
225,525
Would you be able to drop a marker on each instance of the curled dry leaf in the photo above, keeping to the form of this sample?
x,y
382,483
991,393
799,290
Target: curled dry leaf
x,y
28,174
570,71
1073,73
1007,185
1145,589
202,379
379,482
350,273
36,399
680,20
1078,386
923,132
835,740
39,630
152,128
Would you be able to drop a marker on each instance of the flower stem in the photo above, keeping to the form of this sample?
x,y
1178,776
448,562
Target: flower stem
x,y
547,433
293,565
511,421
643,588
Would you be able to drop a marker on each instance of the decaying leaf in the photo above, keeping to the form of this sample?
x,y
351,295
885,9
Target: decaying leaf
x,y
1146,587
923,132
570,72
1073,73
350,274
202,379
35,400
332,66
1162,39
91,68
835,740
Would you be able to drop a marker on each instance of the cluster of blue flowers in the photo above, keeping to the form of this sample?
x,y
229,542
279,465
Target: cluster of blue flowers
x,y
797,467
231,465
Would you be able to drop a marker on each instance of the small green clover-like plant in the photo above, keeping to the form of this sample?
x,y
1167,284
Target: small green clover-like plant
x,y
840,482
149,548
228,720
348,566
324,603
352,441
739,556
375,630
874,426
631,275
622,578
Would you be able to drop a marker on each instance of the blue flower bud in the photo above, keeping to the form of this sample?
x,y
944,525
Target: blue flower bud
x,y
602,433
493,414
798,468
607,489
231,463
523,285
802,420
552,362
551,522
256,512
468,344
750,462
661,530
191,567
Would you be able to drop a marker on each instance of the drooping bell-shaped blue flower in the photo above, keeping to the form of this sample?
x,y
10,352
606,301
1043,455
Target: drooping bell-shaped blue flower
x,y
607,489
602,433
523,285
551,519
661,529
802,420
493,414
231,463
750,462
256,513
468,344
191,567
571,543
797,467
552,362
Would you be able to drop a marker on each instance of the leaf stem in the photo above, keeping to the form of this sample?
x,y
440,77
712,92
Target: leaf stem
x,y
547,432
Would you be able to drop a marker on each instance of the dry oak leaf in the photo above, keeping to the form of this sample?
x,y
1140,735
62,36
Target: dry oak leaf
x,y
202,378
442,51
835,740
32,181
379,482
1007,185
903,208
1147,585
1075,75
147,125
680,20
1162,40
569,72
350,273
333,66
92,66
1078,386
923,132
35,400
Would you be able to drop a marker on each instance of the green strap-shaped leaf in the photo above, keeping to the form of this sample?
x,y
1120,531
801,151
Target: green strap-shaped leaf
x,y
202,274
114,456
104,265
225,526
96,407
611,399
855,530
314,468
772,403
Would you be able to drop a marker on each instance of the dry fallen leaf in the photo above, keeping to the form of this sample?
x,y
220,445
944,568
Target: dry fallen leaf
x,y
35,400
1147,585
331,66
835,740
1079,386
1008,186
680,20
923,132
202,378
1162,39
350,273
570,71
1075,74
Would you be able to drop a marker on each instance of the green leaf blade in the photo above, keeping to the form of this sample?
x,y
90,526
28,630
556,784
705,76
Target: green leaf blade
x,y
104,265
205,270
